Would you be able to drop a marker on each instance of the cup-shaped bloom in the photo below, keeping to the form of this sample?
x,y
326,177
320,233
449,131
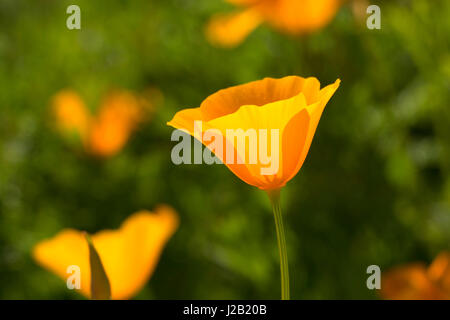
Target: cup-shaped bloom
x,y
416,281
118,117
261,130
289,16
129,255
72,117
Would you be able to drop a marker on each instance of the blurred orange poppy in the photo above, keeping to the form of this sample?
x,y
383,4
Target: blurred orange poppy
x,y
416,282
291,105
107,133
71,114
118,117
289,16
289,108
129,255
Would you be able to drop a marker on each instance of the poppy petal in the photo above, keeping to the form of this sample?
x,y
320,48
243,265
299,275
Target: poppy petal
x,y
71,114
408,283
129,254
257,93
229,30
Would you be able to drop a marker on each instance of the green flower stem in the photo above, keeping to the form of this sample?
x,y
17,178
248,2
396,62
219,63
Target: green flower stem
x,y
274,196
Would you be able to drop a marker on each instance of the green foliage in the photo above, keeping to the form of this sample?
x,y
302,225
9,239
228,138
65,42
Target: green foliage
x,y
100,287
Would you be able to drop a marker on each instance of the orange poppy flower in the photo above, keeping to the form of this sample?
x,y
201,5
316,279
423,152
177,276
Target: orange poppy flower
x,y
416,282
235,125
107,133
291,106
72,116
129,255
289,16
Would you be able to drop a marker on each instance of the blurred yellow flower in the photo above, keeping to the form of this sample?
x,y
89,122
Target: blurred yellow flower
x,y
289,16
105,134
129,254
293,105
71,114
289,108
416,282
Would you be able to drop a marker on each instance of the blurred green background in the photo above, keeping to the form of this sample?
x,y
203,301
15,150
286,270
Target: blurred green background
x,y
375,188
